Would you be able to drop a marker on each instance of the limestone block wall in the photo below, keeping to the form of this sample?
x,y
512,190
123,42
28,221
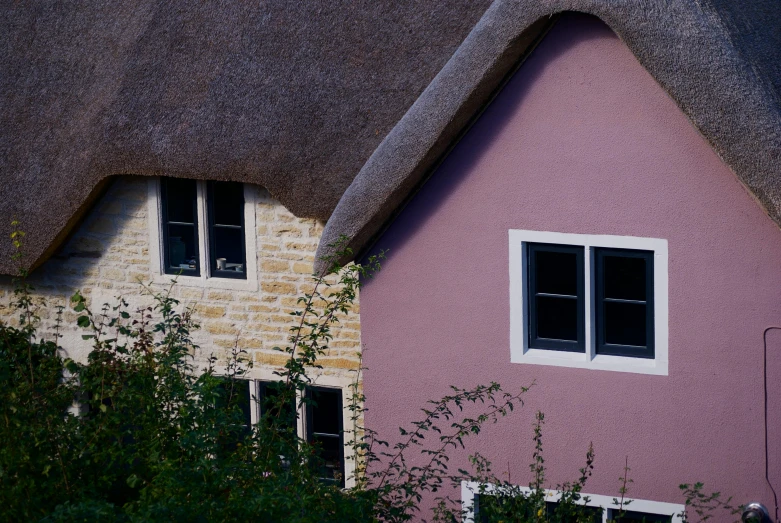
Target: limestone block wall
x,y
109,254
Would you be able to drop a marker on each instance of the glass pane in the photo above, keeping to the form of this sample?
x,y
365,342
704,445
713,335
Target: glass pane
x,y
269,406
180,200
557,318
326,411
567,513
227,202
235,393
229,244
630,515
245,403
624,278
182,248
557,272
625,324
330,454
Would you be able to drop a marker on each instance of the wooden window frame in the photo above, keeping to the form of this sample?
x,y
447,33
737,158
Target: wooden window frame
x,y
535,341
309,410
470,492
165,223
524,352
304,426
214,272
602,346
205,277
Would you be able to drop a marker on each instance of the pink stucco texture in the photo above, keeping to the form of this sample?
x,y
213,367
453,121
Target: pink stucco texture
x,y
583,140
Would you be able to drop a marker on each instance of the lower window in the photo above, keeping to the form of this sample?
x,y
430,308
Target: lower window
x,y
324,430
321,423
600,509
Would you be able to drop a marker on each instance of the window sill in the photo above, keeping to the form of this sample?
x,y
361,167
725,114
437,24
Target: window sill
x,y
580,360
233,284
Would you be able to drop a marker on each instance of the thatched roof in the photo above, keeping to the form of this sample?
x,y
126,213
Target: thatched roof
x,y
291,95
720,61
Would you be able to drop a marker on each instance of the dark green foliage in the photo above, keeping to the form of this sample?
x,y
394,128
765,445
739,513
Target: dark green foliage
x,y
138,433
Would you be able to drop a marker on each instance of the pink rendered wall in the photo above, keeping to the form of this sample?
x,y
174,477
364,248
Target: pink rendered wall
x,y
583,140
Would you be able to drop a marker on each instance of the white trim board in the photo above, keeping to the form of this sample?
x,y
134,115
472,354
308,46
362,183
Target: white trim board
x,y
520,352
470,488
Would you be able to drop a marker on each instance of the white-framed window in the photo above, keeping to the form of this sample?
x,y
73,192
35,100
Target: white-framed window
x,y
323,420
634,510
589,301
204,232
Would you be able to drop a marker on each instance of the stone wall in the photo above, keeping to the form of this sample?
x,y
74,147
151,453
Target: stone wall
x,y
109,254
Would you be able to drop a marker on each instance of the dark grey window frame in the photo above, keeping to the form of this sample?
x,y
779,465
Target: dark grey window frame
x,y
534,341
602,347
166,223
262,388
210,239
309,407
214,271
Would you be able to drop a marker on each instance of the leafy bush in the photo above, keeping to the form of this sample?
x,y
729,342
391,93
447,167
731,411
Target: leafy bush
x,y
137,433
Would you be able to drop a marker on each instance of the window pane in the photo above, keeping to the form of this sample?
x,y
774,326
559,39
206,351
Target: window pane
x,y
625,323
330,454
624,277
593,514
244,402
557,272
324,430
326,411
182,248
180,200
270,407
557,318
630,515
227,202
234,395
229,244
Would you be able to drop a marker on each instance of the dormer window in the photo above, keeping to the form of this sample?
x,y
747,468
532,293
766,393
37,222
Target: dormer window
x,y
206,231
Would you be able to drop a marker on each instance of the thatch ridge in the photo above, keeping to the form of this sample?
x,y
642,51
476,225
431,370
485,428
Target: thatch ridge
x,y
720,61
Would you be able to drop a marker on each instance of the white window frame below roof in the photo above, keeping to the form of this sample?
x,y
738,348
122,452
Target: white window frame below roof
x,y
323,382
154,212
469,489
520,352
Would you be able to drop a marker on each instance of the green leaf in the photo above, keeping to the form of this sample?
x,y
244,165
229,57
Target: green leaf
x,y
70,365
103,408
83,321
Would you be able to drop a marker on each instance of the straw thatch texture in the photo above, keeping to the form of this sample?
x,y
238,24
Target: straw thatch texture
x,y
294,96
719,60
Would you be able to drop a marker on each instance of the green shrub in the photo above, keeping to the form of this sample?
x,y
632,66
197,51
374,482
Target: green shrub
x,y
138,434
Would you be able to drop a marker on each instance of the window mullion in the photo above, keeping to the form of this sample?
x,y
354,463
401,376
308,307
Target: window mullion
x,y
588,301
255,400
301,421
203,230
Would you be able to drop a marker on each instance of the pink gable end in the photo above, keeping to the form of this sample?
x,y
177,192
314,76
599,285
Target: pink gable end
x,y
582,140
